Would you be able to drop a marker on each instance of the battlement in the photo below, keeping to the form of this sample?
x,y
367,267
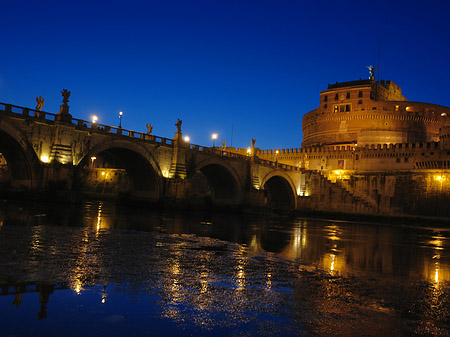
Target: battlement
x,y
389,148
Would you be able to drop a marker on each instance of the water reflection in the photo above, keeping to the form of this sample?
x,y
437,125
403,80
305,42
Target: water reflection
x,y
222,264
339,247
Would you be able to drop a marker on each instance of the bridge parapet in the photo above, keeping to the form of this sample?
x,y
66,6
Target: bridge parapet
x,y
22,112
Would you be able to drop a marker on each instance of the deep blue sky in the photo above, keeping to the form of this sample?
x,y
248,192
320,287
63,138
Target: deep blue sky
x,y
254,66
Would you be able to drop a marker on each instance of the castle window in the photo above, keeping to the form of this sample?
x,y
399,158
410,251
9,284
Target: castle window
x,y
336,97
374,108
348,95
325,105
325,98
347,107
360,93
360,101
398,160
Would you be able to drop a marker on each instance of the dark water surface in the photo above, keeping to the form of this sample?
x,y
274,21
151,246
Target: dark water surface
x,y
101,270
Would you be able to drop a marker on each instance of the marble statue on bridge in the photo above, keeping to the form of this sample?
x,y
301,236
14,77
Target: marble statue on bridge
x,y
178,125
149,128
66,94
40,103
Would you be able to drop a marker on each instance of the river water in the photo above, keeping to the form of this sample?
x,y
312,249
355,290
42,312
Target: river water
x,y
100,269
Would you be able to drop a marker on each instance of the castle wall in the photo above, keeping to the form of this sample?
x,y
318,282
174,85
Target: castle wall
x,y
368,112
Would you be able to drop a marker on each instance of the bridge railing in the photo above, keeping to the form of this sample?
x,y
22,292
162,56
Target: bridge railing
x,y
26,112
12,110
217,151
278,165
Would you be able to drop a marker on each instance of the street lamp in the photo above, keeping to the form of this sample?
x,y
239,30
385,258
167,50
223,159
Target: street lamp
x,y
94,119
120,119
276,157
187,139
214,137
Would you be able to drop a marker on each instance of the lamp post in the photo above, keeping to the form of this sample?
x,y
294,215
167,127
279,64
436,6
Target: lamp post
x,y
94,119
120,119
276,158
187,139
214,137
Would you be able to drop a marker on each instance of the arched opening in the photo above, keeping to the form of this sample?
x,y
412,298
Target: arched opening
x,y
279,194
116,172
15,167
215,184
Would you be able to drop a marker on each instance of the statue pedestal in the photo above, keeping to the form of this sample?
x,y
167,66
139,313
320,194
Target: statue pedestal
x,y
178,166
64,115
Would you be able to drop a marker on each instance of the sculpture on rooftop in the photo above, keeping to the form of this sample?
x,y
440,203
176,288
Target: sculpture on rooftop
x,y
224,145
253,145
40,103
372,71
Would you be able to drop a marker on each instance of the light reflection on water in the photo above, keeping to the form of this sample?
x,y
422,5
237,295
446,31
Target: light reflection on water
x,y
222,273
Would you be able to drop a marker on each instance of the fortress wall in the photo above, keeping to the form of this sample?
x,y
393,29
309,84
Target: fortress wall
x,y
383,157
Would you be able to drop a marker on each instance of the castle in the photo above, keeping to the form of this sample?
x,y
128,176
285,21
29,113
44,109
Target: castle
x,y
369,142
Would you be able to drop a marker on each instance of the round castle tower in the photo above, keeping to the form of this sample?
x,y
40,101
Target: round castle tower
x,y
371,112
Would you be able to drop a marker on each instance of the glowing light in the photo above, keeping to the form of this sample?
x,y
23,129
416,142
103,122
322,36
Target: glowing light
x,y
44,159
94,119
333,258
438,178
249,151
214,136
120,113
436,275
103,173
165,173
187,139
443,114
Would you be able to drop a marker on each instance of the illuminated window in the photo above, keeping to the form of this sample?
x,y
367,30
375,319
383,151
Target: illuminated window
x,y
342,108
396,108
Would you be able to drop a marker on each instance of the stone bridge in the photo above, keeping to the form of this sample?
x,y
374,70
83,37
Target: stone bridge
x,y
47,152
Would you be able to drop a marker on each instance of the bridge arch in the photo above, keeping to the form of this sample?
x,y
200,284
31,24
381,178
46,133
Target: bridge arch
x,y
120,166
218,181
280,190
23,165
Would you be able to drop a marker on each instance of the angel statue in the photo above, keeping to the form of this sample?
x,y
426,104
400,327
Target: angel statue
x,y
149,128
372,71
178,125
224,145
65,93
40,103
